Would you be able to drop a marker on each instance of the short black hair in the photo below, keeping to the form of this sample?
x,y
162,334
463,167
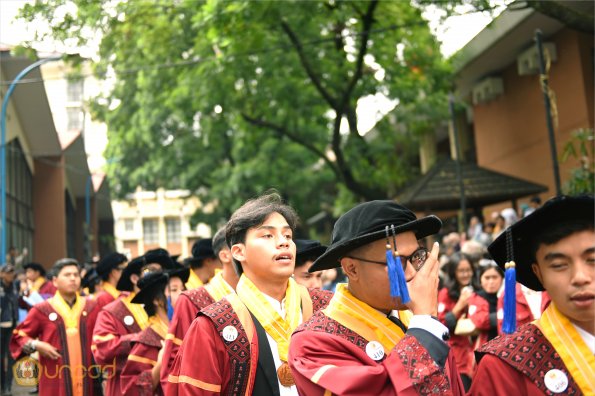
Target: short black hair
x,y
219,241
484,268
65,262
252,214
557,232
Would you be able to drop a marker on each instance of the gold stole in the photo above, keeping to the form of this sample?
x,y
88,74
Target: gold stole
x,y
571,347
358,316
137,311
71,317
218,288
110,289
158,325
37,283
194,281
277,327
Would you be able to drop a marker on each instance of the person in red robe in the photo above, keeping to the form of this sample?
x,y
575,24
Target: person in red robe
x,y
203,263
453,303
307,251
192,301
140,375
239,344
110,270
373,339
38,287
60,329
483,303
120,320
554,250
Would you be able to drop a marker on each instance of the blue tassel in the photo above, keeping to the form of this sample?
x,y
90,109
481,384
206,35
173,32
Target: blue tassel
x,y
395,289
509,322
402,282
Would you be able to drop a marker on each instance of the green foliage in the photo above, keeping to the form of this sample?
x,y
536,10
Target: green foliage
x,y
230,98
580,147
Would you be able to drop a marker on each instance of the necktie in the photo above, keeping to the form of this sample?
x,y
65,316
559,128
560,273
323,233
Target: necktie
x,y
398,322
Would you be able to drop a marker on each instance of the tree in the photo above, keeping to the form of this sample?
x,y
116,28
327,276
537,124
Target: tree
x,y
231,98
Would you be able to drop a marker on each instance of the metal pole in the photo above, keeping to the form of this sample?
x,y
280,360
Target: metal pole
x,y
23,73
544,83
88,218
451,103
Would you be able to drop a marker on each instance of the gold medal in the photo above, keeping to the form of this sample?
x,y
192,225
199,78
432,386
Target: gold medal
x,y
285,376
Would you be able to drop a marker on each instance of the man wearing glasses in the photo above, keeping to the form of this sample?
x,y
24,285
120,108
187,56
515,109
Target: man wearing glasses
x,y
366,341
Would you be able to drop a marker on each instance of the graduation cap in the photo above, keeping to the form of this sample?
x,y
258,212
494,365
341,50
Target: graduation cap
x,y
151,284
308,249
514,249
372,221
133,268
201,249
109,262
159,256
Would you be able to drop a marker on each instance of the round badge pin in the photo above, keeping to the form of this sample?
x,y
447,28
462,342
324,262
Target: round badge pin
x,y
472,309
128,320
375,350
230,333
53,316
556,381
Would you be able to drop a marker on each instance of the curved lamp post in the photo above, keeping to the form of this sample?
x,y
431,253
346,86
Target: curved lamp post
x,y
23,73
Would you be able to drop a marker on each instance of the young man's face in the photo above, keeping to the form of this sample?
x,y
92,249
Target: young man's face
x,y
566,269
269,251
32,274
371,279
68,280
304,278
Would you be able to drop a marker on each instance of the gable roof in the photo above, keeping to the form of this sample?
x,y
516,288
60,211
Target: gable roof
x,y
439,189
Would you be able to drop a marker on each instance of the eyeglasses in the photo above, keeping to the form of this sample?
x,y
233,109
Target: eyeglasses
x,y
417,259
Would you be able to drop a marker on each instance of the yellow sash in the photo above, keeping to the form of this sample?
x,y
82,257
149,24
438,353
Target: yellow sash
x,y
194,281
218,288
37,283
71,317
277,327
571,347
158,325
137,311
110,289
358,316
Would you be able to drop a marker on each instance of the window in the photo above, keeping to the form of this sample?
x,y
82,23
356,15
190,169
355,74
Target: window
x,y
173,229
19,199
151,231
128,225
75,119
74,90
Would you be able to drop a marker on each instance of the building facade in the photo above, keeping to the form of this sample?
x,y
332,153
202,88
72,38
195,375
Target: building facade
x,y
151,219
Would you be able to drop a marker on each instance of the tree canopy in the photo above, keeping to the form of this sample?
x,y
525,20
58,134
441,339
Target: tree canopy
x,y
230,98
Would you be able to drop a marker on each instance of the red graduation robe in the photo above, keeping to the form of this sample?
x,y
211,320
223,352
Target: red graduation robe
x,y
137,377
187,306
43,322
115,328
206,364
484,320
461,346
327,358
516,364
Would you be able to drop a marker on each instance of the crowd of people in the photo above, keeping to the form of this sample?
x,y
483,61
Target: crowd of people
x,y
377,312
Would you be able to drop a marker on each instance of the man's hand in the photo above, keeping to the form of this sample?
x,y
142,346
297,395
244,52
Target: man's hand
x,y
423,288
47,350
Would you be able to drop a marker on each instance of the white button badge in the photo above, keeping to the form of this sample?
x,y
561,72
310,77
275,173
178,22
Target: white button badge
x,y
230,333
375,350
